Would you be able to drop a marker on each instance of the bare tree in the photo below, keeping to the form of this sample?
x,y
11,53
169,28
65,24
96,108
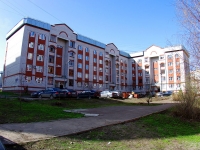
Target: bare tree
x,y
189,17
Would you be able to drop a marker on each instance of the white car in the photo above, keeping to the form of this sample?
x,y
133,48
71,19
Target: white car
x,y
105,94
159,94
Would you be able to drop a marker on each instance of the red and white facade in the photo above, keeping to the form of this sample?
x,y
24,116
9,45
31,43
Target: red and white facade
x,y
39,55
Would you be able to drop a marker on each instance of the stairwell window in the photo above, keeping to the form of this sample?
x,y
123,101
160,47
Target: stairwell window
x,y
53,38
72,44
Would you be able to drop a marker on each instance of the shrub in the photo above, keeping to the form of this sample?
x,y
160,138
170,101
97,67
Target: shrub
x,y
188,106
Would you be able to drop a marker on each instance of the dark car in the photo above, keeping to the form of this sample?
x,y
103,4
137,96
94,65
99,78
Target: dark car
x,y
70,92
168,93
86,94
37,93
52,93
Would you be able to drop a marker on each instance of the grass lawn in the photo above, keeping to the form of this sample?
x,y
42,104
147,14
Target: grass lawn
x,y
15,111
156,132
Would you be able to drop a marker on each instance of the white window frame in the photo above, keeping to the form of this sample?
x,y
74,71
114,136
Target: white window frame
x,y
79,65
30,56
39,69
41,47
80,56
38,80
40,58
42,36
79,74
29,67
31,45
28,79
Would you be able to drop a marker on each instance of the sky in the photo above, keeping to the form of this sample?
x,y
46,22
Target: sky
x,y
132,25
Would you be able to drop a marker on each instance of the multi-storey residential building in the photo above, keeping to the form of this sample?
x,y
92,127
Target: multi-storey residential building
x,y
40,55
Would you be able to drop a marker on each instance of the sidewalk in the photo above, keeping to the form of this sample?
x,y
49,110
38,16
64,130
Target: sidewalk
x,y
27,132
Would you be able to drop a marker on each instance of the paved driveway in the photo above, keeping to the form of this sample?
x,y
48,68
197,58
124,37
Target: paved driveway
x,y
26,132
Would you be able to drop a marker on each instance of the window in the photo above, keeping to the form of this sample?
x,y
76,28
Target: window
x,y
100,54
71,54
117,80
38,80
79,65
41,36
100,61
86,84
30,56
31,45
51,59
170,78
87,58
140,74
169,56
162,65
32,34
146,59
140,87
95,60
95,52
147,72
39,68
140,80
147,80
178,78
171,85
95,68
133,75
41,47
139,60
50,81
133,61
28,79
162,78
80,56
106,78
86,76
100,77
79,84
71,82
29,68
79,75
71,63
72,44
50,69
100,69
94,77
170,64
53,38
177,70
106,70
176,56
94,85
178,85
162,57
177,63
86,67
139,67
80,47
170,71
106,63
133,68
117,72
87,50
39,57
71,72
100,85
52,49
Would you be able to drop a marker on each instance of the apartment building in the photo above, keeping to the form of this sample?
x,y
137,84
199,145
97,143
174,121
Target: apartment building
x,y
40,55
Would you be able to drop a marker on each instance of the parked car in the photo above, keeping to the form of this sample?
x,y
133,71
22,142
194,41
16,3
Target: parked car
x,y
116,94
159,94
37,93
52,93
167,93
86,94
105,94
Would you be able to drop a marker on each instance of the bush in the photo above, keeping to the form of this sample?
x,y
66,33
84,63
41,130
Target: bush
x,y
188,106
